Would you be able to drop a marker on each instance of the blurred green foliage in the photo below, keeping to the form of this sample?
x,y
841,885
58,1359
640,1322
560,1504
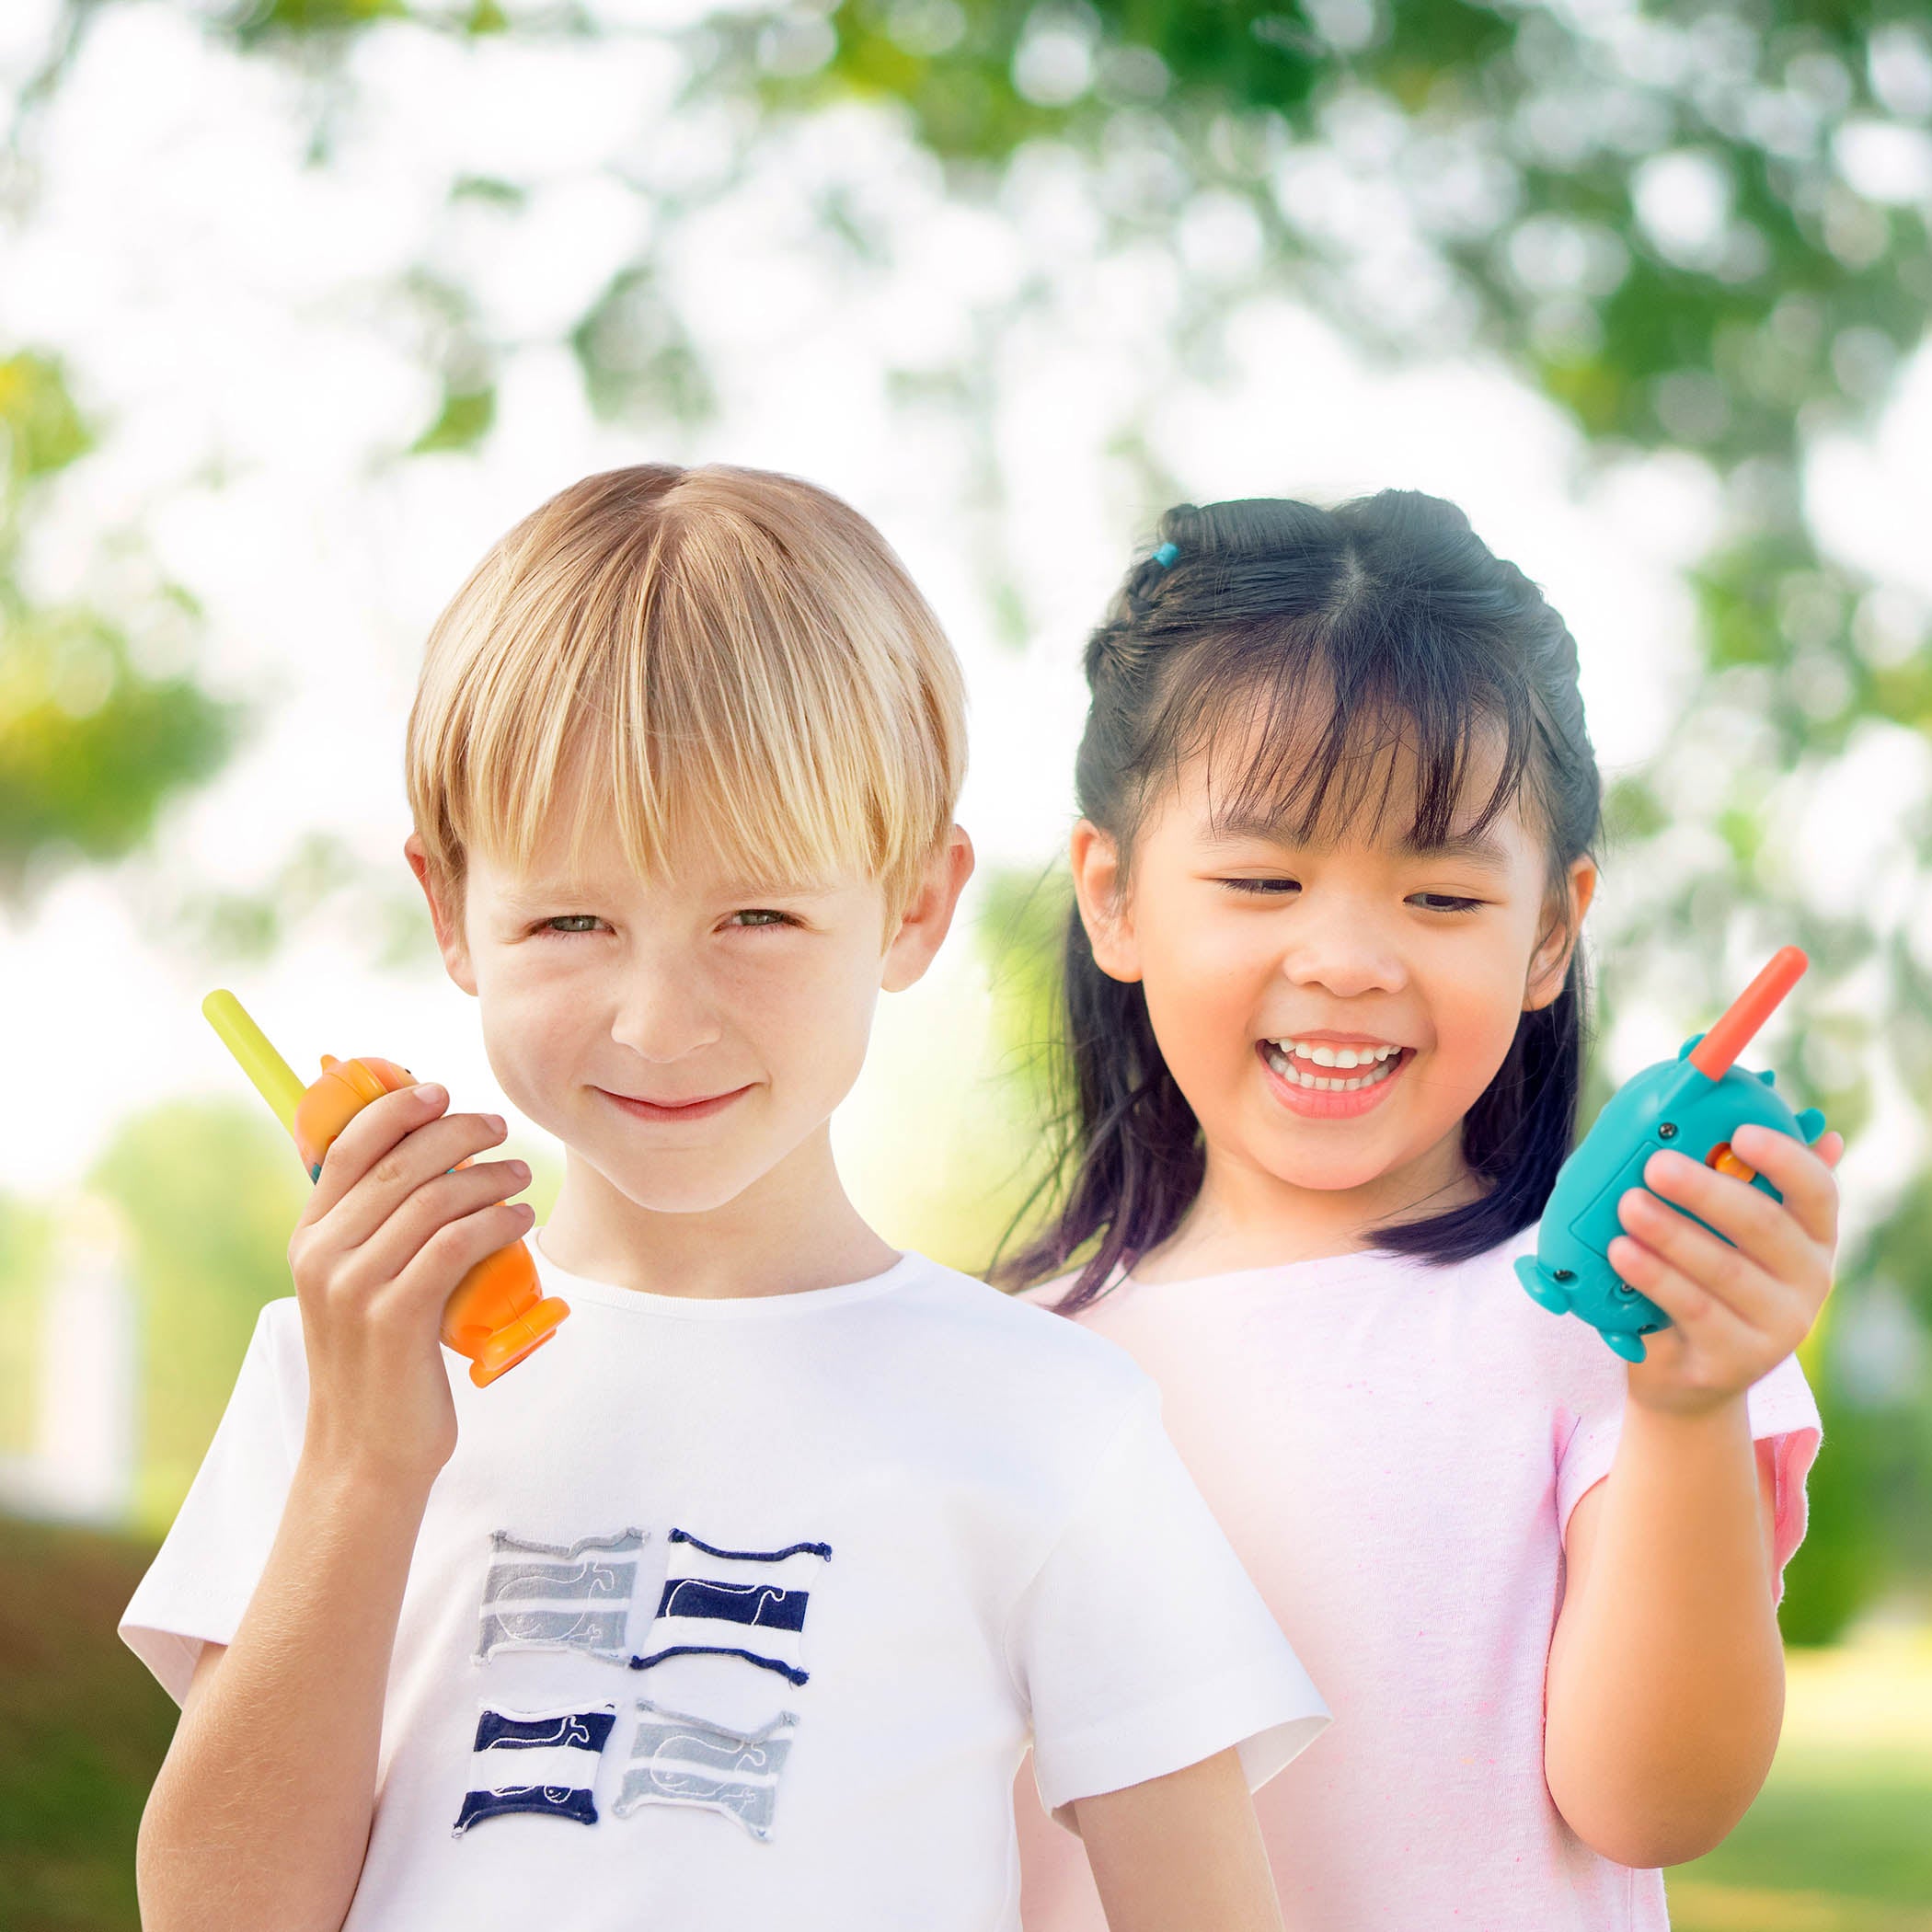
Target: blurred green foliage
x,y
91,748
1697,226
26,1246
208,1195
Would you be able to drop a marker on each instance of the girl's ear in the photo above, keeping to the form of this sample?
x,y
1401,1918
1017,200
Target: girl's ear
x,y
1550,962
1103,912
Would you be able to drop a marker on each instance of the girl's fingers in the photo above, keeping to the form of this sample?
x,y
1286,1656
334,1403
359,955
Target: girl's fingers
x,y
1718,1270
1802,1174
1705,1323
1747,1217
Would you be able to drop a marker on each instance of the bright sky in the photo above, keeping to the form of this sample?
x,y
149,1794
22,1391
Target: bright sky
x,y
218,304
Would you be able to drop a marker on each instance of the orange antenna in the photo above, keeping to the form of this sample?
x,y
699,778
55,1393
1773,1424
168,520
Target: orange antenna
x,y
1713,1054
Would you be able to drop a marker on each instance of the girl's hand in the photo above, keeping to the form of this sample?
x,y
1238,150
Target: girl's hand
x,y
1737,1310
385,1238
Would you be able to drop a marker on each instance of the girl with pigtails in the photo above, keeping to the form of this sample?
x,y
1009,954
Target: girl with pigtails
x,y
1325,1017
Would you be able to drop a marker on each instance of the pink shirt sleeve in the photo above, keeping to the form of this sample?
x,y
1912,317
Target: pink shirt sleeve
x,y
1781,1409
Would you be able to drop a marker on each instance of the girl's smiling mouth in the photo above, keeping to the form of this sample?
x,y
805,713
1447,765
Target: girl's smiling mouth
x,y
1323,1080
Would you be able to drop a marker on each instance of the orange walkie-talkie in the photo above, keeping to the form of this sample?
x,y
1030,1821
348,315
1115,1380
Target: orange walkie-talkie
x,y
499,1312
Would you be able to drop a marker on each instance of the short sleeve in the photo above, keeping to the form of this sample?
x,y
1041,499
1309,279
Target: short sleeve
x,y
1781,1409
205,1571
1141,1646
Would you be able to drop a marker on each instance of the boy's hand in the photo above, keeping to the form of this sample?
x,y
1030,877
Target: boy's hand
x,y
1737,1310
384,1240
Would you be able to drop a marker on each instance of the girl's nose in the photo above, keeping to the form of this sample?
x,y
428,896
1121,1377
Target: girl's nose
x,y
1346,961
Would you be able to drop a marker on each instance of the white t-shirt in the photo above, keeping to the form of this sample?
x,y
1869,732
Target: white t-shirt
x,y
741,1611
1394,1450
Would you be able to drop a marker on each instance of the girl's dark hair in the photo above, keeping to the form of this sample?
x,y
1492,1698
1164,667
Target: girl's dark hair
x,y
1392,618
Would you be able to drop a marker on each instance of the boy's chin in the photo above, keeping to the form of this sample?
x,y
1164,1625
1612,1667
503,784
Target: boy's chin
x,y
689,1182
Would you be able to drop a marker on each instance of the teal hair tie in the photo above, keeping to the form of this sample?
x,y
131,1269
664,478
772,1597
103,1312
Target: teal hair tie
x,y
1166,554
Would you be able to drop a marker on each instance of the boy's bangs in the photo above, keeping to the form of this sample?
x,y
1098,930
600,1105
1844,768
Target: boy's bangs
x,y
719,668
675,800
1304,736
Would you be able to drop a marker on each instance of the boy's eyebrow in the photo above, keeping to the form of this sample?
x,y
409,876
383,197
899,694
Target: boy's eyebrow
x,y
1474,849
531,894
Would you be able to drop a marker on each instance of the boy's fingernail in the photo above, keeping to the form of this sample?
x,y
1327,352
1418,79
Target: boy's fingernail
x,y
432,1094
496,1123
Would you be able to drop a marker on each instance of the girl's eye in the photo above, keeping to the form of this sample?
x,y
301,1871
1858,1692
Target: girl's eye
x,y
1279,887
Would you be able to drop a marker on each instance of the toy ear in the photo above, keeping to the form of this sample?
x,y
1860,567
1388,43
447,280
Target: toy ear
x,y
1768,1077
1811,1123
1683,1052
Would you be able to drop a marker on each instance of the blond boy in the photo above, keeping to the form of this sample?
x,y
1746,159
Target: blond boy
x,y
737,1604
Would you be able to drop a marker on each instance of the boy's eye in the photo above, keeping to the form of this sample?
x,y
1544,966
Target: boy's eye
x,y
762,916
572,922
1445,903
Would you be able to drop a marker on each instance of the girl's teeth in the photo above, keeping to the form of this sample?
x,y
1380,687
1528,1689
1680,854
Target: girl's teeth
x,y
1285,1066
1334,1055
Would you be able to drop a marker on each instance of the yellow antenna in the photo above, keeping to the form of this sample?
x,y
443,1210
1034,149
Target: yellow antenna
x,y
275,1080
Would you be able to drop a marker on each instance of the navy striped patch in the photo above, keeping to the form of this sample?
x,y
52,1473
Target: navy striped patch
x,y
749,1604
543,1762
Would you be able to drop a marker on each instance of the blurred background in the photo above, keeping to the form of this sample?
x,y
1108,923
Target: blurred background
x,y
303,302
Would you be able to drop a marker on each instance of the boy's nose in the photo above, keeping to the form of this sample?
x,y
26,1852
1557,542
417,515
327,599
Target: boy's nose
x,y
664,1019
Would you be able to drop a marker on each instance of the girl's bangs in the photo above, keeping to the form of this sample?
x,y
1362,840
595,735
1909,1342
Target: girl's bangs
x,y
1302,736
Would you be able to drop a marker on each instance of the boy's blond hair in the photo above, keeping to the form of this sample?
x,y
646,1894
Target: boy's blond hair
x,y
724,659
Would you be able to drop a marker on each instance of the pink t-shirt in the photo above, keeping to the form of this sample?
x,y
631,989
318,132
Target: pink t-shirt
x,y
1394,1450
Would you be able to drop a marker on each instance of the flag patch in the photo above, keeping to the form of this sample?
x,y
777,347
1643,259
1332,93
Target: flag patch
x,y
542,1760
734,1603
547,1597
676,1759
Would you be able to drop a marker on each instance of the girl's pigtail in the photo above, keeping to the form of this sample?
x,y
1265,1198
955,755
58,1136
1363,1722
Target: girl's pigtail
x,y
1141,1158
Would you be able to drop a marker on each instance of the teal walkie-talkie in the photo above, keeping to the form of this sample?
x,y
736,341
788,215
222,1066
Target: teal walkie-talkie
x,y
1692,1104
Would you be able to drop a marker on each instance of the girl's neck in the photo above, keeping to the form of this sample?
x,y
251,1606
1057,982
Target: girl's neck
x,y
1245,1217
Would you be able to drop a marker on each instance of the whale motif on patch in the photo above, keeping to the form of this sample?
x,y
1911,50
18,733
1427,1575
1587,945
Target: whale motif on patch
x,y
676,1759
548,1596
541,1761
735,1602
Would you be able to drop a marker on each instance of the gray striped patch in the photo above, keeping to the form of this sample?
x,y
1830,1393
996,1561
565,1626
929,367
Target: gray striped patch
x,y
681,1760
547,1597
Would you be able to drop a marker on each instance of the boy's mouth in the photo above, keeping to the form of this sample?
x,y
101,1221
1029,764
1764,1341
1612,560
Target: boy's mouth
x,y
700,1109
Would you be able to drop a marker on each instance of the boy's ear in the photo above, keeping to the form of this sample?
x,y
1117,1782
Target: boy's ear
x,y
1550,962
450,940
926,921
1095,861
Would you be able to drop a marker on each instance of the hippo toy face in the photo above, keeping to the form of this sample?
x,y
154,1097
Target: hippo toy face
x,y
1670,1105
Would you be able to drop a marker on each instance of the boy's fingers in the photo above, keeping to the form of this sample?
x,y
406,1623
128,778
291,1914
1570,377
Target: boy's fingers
x,y
382,1125
456,1248
426,1214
